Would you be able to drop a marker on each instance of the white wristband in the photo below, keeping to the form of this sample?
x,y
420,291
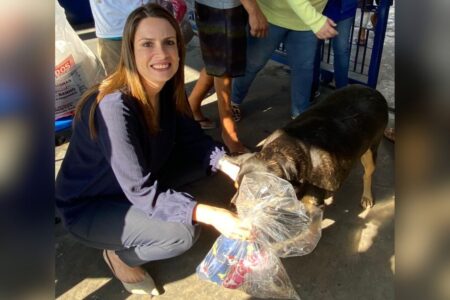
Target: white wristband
x,y
228,168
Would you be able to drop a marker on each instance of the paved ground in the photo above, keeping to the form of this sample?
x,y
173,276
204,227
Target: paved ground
x,y
353,260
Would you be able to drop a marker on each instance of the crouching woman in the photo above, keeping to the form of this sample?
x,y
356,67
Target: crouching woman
x,y
133,136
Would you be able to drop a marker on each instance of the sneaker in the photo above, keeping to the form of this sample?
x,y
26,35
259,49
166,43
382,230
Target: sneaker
x,y
236,112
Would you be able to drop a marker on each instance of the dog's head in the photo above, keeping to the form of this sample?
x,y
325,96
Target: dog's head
x,y
258,162
248,162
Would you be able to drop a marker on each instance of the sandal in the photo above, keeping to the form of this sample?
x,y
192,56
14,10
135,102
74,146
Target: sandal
x,y
236,112
145,287
206,123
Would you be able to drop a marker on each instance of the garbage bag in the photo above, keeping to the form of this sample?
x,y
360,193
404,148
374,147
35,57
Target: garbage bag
x,y
248,266
76,66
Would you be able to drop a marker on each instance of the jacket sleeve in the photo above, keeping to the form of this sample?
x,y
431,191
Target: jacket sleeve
x,y
197,144
118,130
308,14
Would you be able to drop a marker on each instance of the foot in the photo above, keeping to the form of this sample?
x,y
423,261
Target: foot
x,y
234,145
366,202
362,40
122,271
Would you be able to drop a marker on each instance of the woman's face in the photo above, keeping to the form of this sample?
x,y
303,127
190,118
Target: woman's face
x,y
155,50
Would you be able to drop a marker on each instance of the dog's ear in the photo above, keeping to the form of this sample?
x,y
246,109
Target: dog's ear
x,y
324,170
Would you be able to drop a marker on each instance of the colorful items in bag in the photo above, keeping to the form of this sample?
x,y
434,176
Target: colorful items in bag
x,y
229,261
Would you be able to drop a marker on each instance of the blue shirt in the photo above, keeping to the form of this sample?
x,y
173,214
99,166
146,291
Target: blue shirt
x,y
124,161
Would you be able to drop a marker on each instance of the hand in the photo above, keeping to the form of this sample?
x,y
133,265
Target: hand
x,y
327,31
259,26
226,222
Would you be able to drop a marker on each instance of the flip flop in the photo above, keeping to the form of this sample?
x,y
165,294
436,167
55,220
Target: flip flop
x,y
145,287
206,123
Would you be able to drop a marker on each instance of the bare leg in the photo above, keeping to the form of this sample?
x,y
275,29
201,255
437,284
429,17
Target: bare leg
x,y
367,160
229,132
204,83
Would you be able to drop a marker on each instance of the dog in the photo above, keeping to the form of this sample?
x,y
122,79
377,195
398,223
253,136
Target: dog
x,y
316,151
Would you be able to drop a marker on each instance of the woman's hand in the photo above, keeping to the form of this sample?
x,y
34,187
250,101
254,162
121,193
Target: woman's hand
x,y
223,220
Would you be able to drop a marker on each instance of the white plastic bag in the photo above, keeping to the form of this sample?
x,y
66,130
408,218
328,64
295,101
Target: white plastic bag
x,y
76,66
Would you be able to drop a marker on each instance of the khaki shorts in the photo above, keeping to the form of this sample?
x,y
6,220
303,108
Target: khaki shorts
x,y
109,52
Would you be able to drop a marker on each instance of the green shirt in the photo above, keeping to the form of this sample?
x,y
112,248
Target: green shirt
x,y
301,15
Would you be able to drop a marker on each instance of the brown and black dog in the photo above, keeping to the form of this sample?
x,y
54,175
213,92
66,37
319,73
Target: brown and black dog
x,y
316,151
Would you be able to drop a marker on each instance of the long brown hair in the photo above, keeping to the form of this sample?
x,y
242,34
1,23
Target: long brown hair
x,y
126,77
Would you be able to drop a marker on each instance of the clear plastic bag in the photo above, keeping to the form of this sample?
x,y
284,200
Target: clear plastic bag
x,y
247,266
281,227
280,220
76,66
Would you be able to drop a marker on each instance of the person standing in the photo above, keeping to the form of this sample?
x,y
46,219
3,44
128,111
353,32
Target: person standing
x,y
109,18
298,24
342,12
222,32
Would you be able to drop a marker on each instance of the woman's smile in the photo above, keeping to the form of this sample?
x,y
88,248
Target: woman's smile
x,y
156,52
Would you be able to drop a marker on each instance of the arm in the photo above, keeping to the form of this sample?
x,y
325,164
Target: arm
x,y
223,220
119,140
322,27
257,21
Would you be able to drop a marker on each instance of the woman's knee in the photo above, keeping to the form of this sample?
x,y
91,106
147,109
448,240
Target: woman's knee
x,y
181,239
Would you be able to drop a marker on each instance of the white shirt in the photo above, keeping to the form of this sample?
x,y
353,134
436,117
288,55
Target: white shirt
x,y
110,16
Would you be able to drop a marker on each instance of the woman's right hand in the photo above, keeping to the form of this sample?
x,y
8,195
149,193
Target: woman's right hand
x,y
223,220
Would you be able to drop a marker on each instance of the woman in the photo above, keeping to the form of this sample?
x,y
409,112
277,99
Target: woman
x,y
130,132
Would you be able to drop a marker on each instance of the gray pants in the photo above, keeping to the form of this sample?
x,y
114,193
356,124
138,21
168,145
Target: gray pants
x,y
137,239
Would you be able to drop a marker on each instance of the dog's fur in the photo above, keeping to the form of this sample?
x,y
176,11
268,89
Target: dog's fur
x,y
317,150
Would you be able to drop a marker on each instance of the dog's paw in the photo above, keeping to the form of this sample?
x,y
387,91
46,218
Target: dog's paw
x,y
366,202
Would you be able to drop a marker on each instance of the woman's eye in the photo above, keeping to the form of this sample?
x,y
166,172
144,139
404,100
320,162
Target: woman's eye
x,y
147,44
171,42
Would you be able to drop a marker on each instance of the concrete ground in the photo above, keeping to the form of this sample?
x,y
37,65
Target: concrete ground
x,y
353,260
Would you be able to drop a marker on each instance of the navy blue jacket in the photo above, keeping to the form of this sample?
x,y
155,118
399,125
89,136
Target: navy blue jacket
x,y
338,10
124,161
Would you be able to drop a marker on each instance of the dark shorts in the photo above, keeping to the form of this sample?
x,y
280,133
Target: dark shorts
x,y
223,40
